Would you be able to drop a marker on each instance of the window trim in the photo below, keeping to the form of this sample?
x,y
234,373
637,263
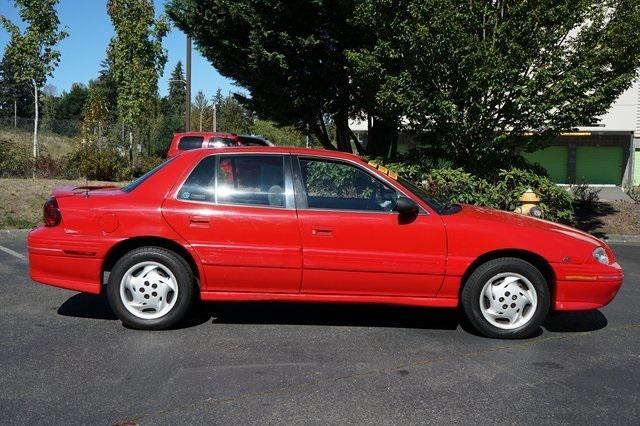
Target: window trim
x,y
300,188
288,183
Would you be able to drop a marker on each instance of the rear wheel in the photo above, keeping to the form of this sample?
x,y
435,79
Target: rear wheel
x,y
506,298
150,288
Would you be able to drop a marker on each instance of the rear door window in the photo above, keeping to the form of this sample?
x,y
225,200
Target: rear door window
x,y
188,143
256,180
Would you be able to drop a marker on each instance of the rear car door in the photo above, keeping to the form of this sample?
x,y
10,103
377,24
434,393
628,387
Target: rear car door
x,y
238,213
354,242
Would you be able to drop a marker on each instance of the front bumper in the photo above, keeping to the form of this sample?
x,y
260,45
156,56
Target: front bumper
x,y
585,287
62,260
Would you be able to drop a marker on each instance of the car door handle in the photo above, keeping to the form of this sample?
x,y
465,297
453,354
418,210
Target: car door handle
x,y
199,220
322,232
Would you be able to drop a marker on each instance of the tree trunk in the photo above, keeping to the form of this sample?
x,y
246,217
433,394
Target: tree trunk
x,y
200,126
15,113
343,133
320,131
36,150
383,139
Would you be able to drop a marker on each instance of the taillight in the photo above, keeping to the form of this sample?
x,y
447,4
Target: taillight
x,y
52,215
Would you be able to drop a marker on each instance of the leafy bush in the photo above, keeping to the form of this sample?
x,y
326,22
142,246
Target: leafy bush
x,y
556,202
585,196
458,186
634,193
499,189
145,163
106,164
15,161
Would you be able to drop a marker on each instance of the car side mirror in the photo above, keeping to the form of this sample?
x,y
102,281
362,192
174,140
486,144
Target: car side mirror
x,y
406,207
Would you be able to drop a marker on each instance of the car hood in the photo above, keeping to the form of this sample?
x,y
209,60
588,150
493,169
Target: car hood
x,y
485,214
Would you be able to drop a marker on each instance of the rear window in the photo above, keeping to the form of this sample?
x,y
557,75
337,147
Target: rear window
x,y
248,141
220,142
190,142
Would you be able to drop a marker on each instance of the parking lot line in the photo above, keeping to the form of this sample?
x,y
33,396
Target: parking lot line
x,y
13,253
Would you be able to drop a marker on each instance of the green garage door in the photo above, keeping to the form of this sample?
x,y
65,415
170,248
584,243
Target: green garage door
x,y
599,164
553,159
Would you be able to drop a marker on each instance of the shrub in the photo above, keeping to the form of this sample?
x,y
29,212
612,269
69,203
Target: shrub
x,y
458,186
556,202
585,196
15,160
634,193
145,163
500,189
105,164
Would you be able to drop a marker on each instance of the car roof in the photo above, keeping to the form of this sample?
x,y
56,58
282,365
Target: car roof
x,y
218,134
273,150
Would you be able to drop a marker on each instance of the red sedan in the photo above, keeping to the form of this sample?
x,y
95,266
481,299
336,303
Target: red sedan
x,y
285,224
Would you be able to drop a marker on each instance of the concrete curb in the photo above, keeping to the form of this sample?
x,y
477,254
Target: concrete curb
x,y
13,231
623,239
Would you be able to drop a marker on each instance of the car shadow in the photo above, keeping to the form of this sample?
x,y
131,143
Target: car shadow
x,y
328,314
575,321
84,305
92,306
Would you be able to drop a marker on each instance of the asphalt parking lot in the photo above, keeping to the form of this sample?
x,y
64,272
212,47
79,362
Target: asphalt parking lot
x,y
65,359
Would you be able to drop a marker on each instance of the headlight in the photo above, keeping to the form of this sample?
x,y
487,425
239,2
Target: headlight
x,y
600,255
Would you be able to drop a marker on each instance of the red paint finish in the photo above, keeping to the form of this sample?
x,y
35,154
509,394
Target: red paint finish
x,y
371,253
291,253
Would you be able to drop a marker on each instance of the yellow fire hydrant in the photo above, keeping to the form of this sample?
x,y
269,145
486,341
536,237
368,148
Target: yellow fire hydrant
x,y
529,204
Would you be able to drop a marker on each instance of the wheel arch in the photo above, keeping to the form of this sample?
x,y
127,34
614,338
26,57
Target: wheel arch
x,y
535,259
125,246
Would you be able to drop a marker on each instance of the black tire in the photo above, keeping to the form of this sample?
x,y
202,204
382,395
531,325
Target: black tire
x,y
482,274
180,269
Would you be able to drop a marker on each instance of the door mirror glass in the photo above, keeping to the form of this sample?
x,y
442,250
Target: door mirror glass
x,y
407,207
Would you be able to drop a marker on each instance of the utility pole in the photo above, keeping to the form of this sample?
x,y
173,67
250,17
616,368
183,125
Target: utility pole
x,y
187,100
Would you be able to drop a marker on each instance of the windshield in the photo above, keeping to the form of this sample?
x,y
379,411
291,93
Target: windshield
x,y
439,206
135,183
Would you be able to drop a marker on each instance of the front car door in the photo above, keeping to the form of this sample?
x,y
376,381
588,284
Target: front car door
x,y
237,211
354,242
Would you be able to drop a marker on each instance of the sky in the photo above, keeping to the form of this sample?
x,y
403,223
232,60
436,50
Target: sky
x,y
90,30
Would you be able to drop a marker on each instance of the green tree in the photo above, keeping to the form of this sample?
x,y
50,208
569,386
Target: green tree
x,y
137,59
200,109
95,114
232,116
478,76
15,97
31,54
289,56
71,104
279,135
177,91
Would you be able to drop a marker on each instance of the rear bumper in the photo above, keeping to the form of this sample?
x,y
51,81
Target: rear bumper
x,y
63,261
585,287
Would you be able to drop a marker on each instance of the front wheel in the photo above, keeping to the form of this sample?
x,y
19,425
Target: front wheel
x,y
506,298
150,288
